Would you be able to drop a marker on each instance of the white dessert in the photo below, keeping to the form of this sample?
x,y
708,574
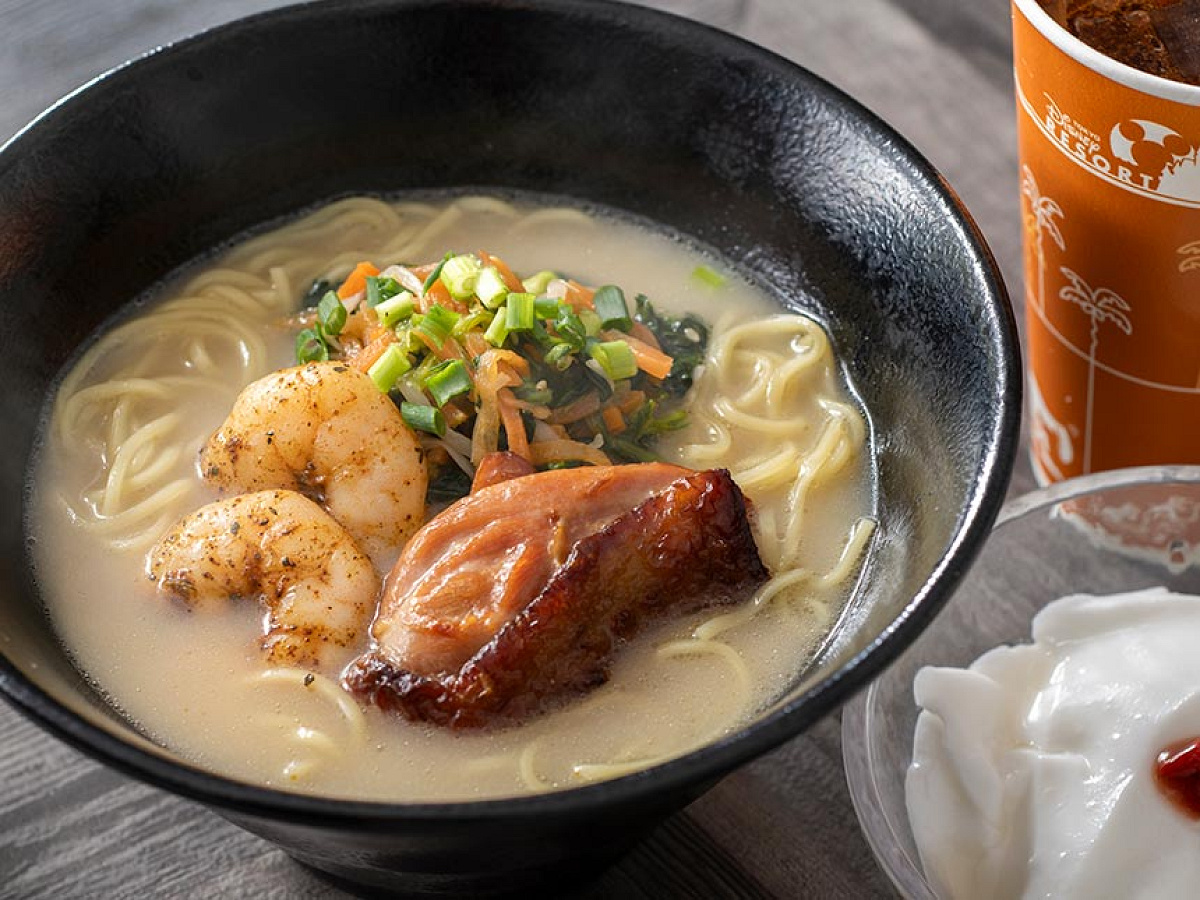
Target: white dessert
x,y
1033,771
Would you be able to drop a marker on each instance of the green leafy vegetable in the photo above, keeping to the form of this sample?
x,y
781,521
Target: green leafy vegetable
x,y
611,308
436,273
386,370
423,418
310,347
446,484
331,314
684,339
380,289
709,276
447,380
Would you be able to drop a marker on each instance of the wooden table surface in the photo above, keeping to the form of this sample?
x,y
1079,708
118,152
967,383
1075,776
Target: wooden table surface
x,y
940,72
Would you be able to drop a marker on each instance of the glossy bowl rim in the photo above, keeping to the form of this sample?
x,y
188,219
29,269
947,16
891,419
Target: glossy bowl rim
x,y
711,761
861,775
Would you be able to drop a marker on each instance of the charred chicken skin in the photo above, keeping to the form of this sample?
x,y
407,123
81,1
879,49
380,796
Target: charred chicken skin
x,y
517,595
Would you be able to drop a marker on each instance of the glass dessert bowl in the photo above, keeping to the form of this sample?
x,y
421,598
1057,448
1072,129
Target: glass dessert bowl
x,y
1111,533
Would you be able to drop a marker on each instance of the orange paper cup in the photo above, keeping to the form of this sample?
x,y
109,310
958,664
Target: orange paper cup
x,y
1110,202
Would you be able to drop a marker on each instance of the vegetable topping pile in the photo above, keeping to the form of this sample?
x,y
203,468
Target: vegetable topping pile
x,y
481,360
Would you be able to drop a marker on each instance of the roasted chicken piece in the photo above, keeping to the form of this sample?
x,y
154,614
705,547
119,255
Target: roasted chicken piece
x,y
500,466
518,594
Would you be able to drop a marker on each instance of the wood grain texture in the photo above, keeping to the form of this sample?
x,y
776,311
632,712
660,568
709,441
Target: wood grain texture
x,y
937,70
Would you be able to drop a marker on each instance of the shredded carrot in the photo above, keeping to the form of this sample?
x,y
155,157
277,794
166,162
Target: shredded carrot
x,y
371,352
448,349
645,335
578,297
438,293
489,380
485,436
514,425
631,401
575,410
375,328
613,420
544,452
475,343
364,326
653,362
491,415
511,281
519,363
357,280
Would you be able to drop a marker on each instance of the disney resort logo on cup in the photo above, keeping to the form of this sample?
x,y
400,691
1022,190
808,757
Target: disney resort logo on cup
x,y
1138,154
1111,211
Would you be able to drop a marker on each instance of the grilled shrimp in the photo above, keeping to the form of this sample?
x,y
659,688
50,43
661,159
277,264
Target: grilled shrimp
x,y
318,588
326,431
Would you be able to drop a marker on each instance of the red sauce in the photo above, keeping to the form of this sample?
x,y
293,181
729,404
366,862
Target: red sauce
x,y
1177,773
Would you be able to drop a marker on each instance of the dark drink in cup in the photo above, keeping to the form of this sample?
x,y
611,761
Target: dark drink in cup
x,y
1161,37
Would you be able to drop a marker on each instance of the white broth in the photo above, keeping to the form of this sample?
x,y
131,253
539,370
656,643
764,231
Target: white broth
x,y
118,467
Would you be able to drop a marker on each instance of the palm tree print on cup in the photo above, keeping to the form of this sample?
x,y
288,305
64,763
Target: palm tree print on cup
x,y
1191,260
1191,256
1100,305
1045,212
1049,438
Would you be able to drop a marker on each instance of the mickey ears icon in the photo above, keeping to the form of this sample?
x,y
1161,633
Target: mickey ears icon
x,y
1126,136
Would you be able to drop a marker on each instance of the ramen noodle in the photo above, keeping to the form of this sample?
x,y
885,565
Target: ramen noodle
x,y
119,468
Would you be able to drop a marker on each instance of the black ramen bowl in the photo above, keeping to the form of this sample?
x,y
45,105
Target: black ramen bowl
x,y
164,158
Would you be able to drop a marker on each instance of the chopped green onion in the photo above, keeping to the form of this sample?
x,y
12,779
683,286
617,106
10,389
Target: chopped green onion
x,y
615,358
672,421
435,274
428,363
386,370
497,332
519,314
541,336
708,276
423,418
559,356
395,308
536,284
311,347
406,337
331,315
446,318
438,322
611,307
431,329
490,287
569,327
591,322
644,423
468,323
381,289
447,380
459,275
545,307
